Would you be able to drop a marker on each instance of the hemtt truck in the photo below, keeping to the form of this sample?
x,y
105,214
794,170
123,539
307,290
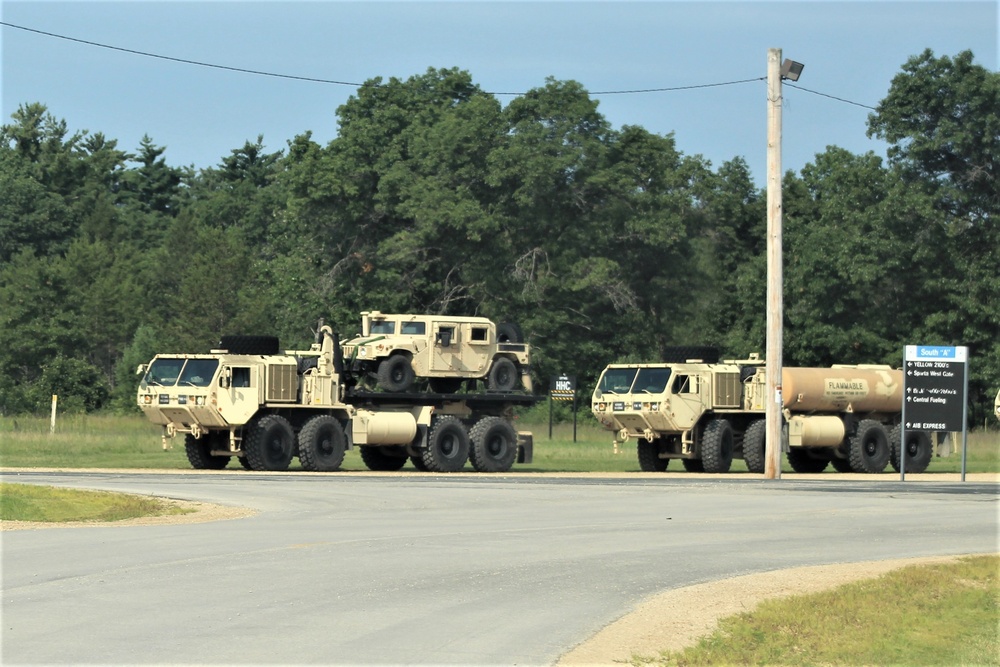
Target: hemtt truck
x,y
707,414
250,402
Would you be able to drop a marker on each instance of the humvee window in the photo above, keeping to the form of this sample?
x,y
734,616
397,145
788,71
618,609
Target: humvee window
x,y
445,336
383,327
198,372
651,380
479,334
617,380
164,372
414,329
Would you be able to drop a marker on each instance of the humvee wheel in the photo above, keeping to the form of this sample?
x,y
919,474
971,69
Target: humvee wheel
x,y
717,446
445,385
869,447
384,458
803,461
649,457
494,445
199,453
503,375
753,445
447,446
322,444
508,332
918,450
396,373
270,443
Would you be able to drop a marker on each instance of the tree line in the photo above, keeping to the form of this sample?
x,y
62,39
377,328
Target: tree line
x,y
603,244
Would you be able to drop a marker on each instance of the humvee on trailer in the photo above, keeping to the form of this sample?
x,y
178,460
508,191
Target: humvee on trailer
x,y
397,350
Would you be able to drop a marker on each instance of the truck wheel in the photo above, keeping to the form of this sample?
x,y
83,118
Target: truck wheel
x,y
322,444
754,445
717,446
678,354
383,457
869,447
840,465
918,450
649,460
447,446
270,443
803,461
250,344
199,453
693,465
494,445
418,463
503,375
396,373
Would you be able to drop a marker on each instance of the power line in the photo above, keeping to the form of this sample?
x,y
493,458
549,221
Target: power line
x,y
357,85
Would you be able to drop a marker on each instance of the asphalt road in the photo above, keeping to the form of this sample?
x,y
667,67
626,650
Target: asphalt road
x,y
433,569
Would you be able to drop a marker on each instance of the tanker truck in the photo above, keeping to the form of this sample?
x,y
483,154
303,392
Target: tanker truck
x,y
707,414
248,401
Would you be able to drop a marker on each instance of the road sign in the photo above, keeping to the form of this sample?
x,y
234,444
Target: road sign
x,y
563,387
934,382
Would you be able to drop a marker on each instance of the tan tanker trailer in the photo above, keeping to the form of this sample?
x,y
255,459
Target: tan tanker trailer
x,y
707,414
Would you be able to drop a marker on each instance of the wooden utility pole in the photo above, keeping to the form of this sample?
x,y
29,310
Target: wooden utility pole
x,y
775,302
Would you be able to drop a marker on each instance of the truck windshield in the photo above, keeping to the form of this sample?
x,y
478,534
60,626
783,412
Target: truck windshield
x,y
186,372
383,327
651,380
616,380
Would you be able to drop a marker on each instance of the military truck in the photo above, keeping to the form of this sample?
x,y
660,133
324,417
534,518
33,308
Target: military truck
x,y
996,405
707,414
248,401
394,351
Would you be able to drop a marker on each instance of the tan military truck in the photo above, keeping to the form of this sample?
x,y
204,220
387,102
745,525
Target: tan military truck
x,y
996,405
396,350
707,414
248,401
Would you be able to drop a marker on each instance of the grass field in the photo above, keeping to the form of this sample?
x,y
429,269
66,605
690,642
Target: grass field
x,y
108,441
945,615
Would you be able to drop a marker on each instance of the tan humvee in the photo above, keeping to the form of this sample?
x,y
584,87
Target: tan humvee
x,y
396,350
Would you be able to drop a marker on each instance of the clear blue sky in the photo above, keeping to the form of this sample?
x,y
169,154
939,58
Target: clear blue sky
x,y
851,50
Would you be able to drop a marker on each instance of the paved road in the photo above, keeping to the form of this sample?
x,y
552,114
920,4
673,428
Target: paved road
x,y
434,569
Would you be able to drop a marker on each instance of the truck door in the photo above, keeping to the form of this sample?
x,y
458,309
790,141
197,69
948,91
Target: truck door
x,y
686,402
239,393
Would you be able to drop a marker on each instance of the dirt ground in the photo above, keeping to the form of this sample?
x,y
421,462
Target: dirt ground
x,y
671,620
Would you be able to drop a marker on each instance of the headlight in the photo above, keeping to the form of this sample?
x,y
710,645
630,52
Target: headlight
x,y
199,400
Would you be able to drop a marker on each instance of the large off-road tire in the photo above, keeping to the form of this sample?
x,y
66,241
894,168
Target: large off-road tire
x,y
804,461
199,453
649,459
678,354
919,450
322,444
717,446
396,373
508,332
269,443
869,451
754,440
494,445
383,457
445,385
693,465
840,465
447,446
418,463
250,344
503,375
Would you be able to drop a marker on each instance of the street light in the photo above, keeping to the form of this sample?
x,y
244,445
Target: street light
x,y
775,304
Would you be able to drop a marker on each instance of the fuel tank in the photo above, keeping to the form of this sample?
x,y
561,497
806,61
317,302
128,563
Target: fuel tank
x,y
383,428
862,389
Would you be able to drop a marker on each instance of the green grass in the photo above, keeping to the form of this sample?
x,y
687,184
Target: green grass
x,y
920,615
109,441
28,502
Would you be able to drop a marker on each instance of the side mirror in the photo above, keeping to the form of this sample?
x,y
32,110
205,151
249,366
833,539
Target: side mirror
x,y
141,370
226,379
